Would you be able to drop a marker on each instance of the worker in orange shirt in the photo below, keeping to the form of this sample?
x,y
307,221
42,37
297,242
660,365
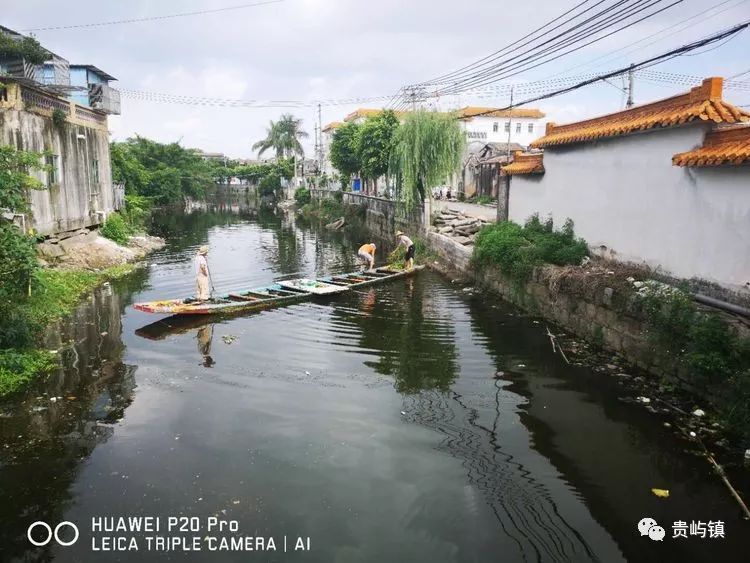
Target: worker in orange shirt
x,y
366,253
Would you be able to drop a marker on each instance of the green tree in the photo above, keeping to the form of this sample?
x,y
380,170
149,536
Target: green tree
x,y
344,153
374,142
17,254
427,149
167,173
27,48
283,136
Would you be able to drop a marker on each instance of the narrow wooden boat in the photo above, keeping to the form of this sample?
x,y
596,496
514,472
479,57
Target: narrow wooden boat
x,y
277,294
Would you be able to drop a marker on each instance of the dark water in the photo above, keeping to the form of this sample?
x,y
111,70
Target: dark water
x,y
369,422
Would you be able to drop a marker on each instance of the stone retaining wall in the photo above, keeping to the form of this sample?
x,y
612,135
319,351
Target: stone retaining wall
x,y
382,216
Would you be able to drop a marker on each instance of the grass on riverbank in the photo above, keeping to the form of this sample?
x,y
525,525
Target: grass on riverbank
x,y
517,250
54,295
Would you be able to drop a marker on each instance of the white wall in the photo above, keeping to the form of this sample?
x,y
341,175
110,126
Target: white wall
x,y
625,194
481,129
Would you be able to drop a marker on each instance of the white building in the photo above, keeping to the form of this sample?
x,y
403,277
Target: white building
x,y
489,125
663,184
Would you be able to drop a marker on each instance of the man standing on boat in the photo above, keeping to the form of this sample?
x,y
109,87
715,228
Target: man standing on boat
x,y
201,274
366,253
409,244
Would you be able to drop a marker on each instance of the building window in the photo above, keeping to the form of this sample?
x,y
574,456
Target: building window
x,y
495,127
507,126
52,162
95,170
531,127
518,127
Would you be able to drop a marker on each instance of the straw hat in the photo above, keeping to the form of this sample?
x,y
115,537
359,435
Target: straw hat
x,y
399,233
203,249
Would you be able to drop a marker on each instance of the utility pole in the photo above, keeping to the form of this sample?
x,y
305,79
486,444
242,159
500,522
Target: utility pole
x,y
503,180
631,83
320,148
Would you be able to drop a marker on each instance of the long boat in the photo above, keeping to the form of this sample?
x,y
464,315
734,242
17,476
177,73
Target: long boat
x,y
274,295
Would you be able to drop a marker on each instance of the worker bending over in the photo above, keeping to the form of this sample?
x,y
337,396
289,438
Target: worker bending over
x,y
409,244
366,253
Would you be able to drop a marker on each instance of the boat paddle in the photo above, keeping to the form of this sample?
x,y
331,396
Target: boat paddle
x,y
210,279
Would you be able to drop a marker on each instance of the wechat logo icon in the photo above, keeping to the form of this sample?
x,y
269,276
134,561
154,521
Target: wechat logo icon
x,y
649,527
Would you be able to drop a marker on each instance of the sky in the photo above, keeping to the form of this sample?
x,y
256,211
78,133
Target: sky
x,y
305,50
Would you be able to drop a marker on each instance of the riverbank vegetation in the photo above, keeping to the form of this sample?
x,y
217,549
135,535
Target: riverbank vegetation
x,y
517,249
30,297
364,149
703,349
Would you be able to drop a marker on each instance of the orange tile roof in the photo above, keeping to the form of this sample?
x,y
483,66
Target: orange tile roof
x,y
472,111
332,125
701,103
525,163
723,146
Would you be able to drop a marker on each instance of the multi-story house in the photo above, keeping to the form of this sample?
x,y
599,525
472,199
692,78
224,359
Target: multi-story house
x,y
60,110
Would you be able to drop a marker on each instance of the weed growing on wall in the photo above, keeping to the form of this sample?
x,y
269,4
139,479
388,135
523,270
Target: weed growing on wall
x,y
302,196
708,351
517,250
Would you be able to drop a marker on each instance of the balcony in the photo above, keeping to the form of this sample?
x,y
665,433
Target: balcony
x,y
104,98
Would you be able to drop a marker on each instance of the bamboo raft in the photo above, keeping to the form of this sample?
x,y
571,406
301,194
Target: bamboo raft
x,y
274,295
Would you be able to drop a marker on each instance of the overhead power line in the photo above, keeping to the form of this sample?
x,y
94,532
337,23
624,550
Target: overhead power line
x,y
580,27
701,16
733,31
513,68
155,18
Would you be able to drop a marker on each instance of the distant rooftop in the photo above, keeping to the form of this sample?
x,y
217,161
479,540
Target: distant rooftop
x,y
474,111
97,70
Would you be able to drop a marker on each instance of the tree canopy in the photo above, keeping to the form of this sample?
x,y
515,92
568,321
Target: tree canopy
x,y
344,156
374,142
427,149
283,136
165,172
27,48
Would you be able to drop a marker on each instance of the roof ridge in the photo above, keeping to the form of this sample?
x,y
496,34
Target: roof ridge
x,y
702,102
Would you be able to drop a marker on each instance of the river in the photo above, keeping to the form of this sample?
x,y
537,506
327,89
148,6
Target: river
x,y
370,423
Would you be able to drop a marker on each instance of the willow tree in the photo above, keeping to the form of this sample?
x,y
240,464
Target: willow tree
x,y
427,150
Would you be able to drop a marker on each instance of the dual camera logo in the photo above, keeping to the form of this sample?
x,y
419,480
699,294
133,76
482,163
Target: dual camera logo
x,y
649,527
49,534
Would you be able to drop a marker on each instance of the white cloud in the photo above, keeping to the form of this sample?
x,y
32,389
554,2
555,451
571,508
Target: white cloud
x,y
330,49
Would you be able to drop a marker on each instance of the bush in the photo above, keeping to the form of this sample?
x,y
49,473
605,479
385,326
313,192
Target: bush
x,y
518,250
302,196
484,199
117,229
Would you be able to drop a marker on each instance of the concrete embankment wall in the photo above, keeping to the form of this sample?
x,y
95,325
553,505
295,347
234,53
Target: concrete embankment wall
x,y
382,216
79,193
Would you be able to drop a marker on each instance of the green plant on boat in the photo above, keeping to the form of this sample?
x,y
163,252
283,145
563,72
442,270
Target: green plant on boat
x,y
422,255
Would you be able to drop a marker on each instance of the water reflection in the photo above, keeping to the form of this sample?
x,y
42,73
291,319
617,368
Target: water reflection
x,y
412,341
49,432
205,338
296,425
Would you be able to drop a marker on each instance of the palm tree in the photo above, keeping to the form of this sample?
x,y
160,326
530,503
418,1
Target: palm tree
x,y
283,137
